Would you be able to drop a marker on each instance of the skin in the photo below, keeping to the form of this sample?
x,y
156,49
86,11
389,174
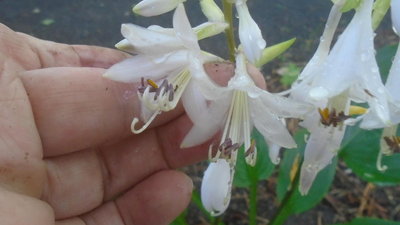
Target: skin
x,y
67,156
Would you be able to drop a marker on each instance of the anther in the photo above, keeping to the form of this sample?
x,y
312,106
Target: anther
x,y
141,88
332,118
393,143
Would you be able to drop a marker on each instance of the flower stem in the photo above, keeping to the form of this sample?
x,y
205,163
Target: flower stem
x,y
230,37
253,203
283,211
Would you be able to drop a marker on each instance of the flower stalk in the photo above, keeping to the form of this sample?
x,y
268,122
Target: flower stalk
x,y
230,37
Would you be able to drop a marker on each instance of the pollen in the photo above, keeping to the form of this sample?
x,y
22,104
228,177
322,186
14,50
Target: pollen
x,y
357,110
330,117
152,83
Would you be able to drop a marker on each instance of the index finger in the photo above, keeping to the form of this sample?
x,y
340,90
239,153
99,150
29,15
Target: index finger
x,y
76,108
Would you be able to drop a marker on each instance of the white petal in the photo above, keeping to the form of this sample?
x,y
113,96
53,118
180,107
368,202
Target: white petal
x,y
322,146
249,34
184,31
216,187
155,7
206,122
147,41
284,107
393,80
273,150
352,52
242,80
126,46
269,125
209,89
133,69
395,12
209,29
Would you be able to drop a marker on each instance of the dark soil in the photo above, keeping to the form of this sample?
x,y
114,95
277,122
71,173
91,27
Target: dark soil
x,y
97,22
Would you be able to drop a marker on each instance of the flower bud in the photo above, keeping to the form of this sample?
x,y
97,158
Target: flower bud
x,y
211,10
155,7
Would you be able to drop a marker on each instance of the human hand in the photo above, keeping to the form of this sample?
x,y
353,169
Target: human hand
x,y
66,151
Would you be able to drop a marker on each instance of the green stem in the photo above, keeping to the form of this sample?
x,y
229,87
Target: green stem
x,y
230,37
282,213
253,203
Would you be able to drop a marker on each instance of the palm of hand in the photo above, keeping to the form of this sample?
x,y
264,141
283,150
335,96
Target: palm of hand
x,y
66,153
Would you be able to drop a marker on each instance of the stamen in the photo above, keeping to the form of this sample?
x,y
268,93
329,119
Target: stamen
x,y
136,120
393,143
142,88
332,118
369,93
251,149
357,110
152,83
251,154
171,92
379,165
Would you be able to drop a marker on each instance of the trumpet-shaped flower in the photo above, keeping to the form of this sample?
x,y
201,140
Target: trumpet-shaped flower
x,y
330,81
241,105
351,66
165,58
389,140
155,7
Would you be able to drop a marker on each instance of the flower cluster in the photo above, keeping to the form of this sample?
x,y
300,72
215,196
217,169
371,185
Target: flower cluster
x,y
167,66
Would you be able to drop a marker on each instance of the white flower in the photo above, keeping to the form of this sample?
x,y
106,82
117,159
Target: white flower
x,y
240,106
249,33
351,66
155,7
371,119
162,64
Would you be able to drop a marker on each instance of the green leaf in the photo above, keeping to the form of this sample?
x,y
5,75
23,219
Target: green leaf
x,y
274,51
47,21
263,168
370,221
384,57
286,165
292,202
289,74
380,9
360,151
350,4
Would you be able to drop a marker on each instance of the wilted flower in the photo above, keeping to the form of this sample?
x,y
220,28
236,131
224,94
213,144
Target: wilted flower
x,y
241,105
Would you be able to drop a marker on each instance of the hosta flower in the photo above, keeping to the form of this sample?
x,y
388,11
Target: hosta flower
x,y
331,80
324,141
155,7
389,140
162,65
240,106
351,66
